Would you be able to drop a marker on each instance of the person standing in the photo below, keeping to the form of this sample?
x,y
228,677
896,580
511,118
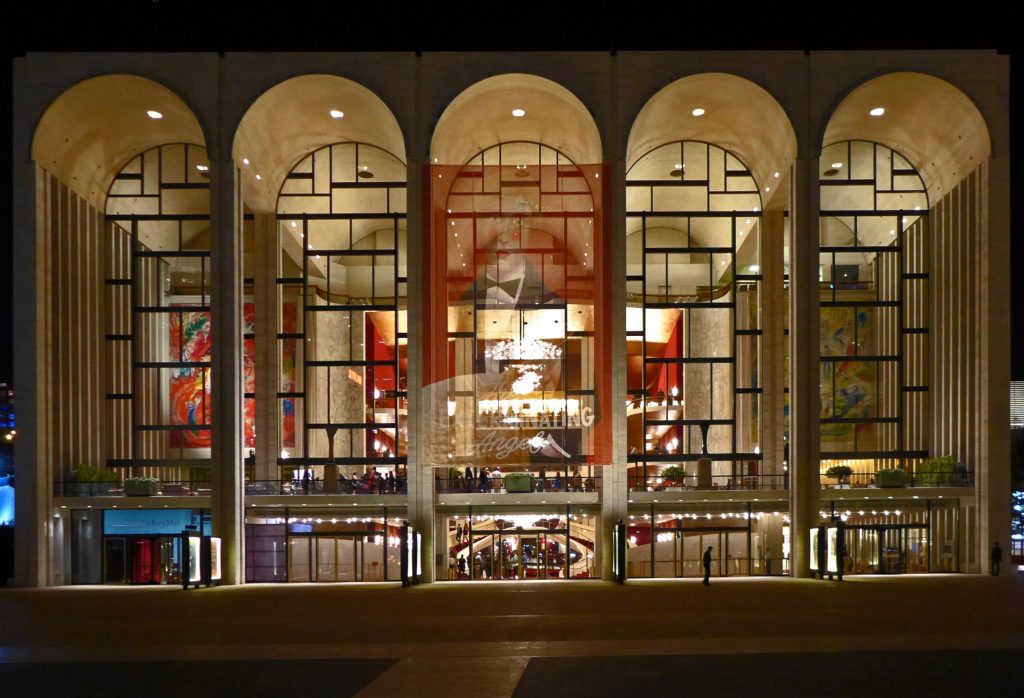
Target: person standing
x,y
462,565
707,567
997,557
307,479
458,534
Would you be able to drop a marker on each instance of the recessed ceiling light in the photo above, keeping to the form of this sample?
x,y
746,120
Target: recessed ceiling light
x,y
892,232
767,188
245,161
337,113
203,168
698,112
877,111
517,112
258,178
755,268
837,165
154,114
294,224
776,175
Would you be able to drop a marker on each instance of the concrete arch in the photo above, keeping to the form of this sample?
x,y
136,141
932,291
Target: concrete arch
x,y
481,116
927,120
294,118
739,116
93,128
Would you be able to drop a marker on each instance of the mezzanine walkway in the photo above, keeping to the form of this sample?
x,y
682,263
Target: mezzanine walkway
x,y
950,633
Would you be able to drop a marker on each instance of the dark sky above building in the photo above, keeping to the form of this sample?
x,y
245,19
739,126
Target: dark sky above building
x,y
169,25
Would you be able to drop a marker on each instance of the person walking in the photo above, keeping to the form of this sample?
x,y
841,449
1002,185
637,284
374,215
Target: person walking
x,y
458,534
997,557
462,565
707,567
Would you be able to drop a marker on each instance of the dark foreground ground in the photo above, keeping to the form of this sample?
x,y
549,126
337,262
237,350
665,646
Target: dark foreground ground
x,y
955,635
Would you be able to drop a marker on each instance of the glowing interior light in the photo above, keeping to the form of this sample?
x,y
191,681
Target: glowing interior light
x,y
337,113
517,112
154,114
877,111
698,112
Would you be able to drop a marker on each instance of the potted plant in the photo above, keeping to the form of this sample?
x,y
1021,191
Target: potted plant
x,y
891,477
519,482
673,476
936,471
841,474
88,480
141,486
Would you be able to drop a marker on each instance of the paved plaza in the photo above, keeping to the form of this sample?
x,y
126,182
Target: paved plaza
x,y
946,634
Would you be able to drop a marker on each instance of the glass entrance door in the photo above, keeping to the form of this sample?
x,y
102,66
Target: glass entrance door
x,y
893,551
115,566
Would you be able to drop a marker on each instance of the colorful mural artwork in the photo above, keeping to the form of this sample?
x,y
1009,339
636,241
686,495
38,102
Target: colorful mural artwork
x,y
249,374
190,397
847,387
190,402
288,356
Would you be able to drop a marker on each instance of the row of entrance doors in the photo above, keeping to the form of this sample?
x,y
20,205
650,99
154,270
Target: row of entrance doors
x,y
142,560
519,554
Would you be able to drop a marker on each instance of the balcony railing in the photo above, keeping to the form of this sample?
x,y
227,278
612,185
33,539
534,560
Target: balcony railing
x,y
498,485
639,483
176,488
378,486
962,478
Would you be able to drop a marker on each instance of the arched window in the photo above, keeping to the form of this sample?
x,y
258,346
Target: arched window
x,y
692,318
874,309
520,241
342,291
158,281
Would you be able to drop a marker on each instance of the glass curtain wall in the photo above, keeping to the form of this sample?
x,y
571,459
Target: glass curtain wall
x,y
342,338
693,320
522,389
158,281
874,311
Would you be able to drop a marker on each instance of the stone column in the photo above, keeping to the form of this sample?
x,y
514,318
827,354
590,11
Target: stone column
x,y
804,398
422,399
226,370
614,488
773,341
268,365
32,357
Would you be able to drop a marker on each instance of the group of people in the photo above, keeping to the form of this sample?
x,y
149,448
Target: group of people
x,y
487,480
373,482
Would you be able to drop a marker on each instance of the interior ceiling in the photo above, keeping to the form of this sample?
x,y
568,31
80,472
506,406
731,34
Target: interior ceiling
x,y
739,116
90,131
293,118
927,120
481,116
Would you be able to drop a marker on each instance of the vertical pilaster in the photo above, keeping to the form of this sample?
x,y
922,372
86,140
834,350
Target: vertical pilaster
x,y
614,488
804,396
32,361
226,320
773,341
268,366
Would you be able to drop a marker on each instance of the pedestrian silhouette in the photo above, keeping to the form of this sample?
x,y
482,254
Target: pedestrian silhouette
x,y
997,557
707,567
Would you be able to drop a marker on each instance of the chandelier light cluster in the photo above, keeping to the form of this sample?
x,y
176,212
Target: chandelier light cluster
x,y
523,350
529,376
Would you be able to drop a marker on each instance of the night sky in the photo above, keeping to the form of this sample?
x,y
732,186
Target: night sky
x,y
255,26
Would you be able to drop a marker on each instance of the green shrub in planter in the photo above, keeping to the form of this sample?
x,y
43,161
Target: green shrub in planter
x,y
891,477
519,482
88,480
141,486
839,472
673,476
938,472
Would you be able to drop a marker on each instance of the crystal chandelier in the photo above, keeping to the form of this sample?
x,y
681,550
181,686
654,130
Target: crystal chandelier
x,y
519,349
